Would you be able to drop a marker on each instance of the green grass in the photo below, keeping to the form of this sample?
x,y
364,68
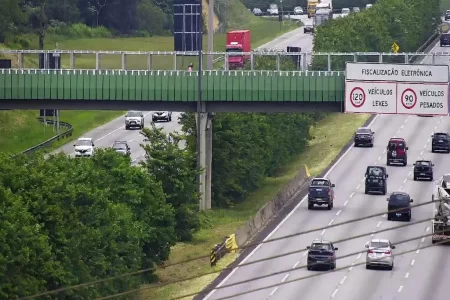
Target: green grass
x,y
321,151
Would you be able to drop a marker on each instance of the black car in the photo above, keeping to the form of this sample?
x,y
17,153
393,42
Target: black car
x,y
445,39
121,147
399,206
320,192
321,254
162,116
364,137
440,142
423,169
376,180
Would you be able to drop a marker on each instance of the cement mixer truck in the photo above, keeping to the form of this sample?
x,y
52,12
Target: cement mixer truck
x,y
441,210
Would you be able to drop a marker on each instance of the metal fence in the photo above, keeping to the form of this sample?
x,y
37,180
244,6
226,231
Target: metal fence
x,y
257,60
68,132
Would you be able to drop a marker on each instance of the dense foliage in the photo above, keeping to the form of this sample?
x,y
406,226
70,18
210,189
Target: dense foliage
x,y
67,221
408,23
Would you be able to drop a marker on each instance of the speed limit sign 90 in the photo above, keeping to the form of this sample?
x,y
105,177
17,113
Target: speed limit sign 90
x,y
409,98
357,97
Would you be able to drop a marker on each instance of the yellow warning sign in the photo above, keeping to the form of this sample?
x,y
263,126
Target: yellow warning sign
x,y
395,47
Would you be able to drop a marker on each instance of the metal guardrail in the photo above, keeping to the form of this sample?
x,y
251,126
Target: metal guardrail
x,y
50,141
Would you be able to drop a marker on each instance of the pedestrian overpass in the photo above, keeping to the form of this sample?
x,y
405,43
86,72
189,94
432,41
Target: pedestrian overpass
x,y
221,91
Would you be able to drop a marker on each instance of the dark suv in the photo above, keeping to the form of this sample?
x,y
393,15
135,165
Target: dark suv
x,y
376,180
440,142
423,169
320,192
399,206
397,152
445,39
447,15
321,254
364,136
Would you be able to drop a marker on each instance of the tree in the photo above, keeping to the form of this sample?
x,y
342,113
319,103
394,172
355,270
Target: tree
x,y
174,168
97,7
100,217
11,17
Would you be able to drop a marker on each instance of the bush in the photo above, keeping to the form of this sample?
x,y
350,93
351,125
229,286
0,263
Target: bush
x,y
79,30
408,23
68,221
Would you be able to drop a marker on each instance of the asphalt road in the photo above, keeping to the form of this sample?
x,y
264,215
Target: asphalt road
x,y
105,135
418,275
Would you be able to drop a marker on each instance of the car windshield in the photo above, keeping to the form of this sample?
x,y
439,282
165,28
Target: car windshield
x,y
321,246
318,182
379,245
440,135
400,199
133,114
394,145
273,6
363,131
423,163
120,146
375,171
84,143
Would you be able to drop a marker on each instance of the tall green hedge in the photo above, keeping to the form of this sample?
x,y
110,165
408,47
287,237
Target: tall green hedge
x,y
408,23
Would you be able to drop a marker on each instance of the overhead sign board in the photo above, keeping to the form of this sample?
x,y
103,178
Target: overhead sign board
x,y
397,89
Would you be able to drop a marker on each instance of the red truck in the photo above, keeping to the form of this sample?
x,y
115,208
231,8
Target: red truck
x,y
238,41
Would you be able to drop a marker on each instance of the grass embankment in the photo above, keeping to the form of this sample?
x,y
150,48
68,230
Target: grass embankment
x,y
26,131
322,150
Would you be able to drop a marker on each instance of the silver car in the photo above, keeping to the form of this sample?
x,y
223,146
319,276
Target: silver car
x,y
379,254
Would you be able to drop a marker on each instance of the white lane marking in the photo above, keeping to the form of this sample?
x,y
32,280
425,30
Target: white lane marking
x,y
323,232
351,195
130,140
401,188
284,278
343,280
296,264
418,251
422,240
428,140
331,222
385,215
379,224
351,268
379,157
273,291
428,229
286,218
412,262
358,186
405,180
406,120
359,256
334,293
410,172
400,288
345,203
306,252
406,275
339,211
384,151
398,131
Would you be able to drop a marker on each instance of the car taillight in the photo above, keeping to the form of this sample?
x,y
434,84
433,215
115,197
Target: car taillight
x,y
387,252
370,251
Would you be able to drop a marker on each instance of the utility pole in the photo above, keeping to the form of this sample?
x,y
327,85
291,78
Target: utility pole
x,y
209,132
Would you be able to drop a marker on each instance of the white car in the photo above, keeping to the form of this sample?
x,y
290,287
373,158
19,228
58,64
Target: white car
x,y
298,10
368,6
134,119
84,147
345,11
379,254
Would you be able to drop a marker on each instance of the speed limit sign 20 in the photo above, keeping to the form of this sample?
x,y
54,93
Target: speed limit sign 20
x,y
409,98
357,97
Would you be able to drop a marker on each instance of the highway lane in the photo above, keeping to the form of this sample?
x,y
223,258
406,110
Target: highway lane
x,y
105,135
351,202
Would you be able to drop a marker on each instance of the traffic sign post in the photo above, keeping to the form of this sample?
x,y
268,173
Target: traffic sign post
x,y
397,89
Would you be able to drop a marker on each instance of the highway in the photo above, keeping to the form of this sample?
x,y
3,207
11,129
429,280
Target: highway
x,y
105,135
417,275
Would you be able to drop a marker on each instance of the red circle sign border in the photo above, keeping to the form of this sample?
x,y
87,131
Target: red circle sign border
x,y
351,98
415,98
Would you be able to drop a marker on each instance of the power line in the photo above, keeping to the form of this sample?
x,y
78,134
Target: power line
x,y
138,272
265,259
301,278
